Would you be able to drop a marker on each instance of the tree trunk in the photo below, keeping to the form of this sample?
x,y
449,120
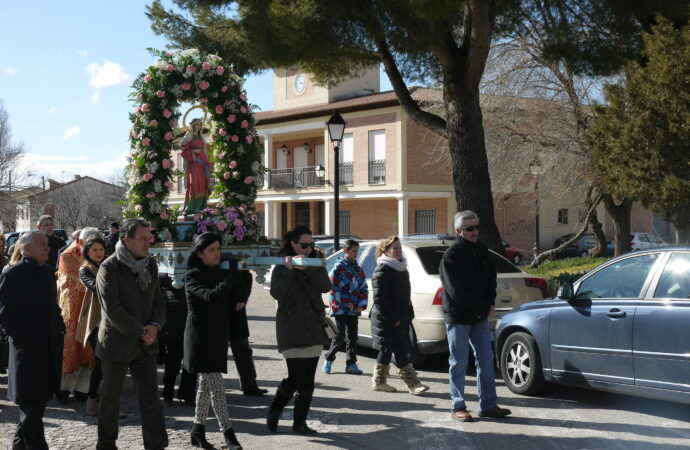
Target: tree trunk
x,y
600,247
620,214
468,153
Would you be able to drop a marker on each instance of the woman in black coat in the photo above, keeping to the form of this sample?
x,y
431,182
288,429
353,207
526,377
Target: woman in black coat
x,y
209,289
391,317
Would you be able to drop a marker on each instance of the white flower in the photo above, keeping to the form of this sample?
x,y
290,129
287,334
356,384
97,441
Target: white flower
x,y
163,235
214,58
190,52
157,186
160,64
256,166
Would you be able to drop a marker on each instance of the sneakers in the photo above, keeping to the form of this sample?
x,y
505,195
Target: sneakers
x,y
327,366
353,370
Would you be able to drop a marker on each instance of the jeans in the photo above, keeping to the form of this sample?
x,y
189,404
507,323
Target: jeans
x,y
479,337
348,326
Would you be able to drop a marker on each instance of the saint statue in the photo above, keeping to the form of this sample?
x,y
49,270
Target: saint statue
x,y
198,169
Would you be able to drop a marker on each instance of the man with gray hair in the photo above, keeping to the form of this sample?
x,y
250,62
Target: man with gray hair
x,y
46,224
468,277
31,318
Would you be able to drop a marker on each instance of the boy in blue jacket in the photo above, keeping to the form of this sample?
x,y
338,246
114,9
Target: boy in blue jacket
x,y
348,299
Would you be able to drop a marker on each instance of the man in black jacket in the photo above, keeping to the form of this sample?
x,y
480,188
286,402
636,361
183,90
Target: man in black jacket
x,y
469,291
46,224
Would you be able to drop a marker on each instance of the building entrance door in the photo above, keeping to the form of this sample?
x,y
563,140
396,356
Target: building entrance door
x,y
302,213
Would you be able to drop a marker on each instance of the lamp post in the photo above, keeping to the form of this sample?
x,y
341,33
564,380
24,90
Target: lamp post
x,y
535,169
336,128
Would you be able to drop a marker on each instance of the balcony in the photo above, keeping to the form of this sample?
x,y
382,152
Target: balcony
x,y
346,174
377,171
292,178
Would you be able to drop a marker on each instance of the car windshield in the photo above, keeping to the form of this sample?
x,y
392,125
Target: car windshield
x,y
431,258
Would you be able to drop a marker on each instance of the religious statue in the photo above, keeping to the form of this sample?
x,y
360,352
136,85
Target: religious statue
x,y
198,168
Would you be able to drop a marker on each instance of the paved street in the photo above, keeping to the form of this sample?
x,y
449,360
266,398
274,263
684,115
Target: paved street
x,y
349,415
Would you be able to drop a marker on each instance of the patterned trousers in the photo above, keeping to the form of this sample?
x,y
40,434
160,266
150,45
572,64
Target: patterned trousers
x,y
211,393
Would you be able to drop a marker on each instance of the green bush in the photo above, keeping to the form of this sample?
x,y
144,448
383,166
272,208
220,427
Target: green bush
x,y
563,271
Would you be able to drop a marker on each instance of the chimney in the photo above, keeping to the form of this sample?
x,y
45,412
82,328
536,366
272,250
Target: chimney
x,y
77,177
52,184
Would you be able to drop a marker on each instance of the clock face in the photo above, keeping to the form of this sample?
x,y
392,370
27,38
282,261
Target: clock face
x,y
300,83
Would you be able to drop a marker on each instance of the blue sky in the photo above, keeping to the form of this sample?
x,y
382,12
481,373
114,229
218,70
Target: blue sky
x,y
65,74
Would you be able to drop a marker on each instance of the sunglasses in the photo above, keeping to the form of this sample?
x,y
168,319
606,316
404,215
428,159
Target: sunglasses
x,y
471,228
305,244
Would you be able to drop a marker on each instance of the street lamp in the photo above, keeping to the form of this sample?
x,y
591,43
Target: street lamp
x,y
336,128
535,169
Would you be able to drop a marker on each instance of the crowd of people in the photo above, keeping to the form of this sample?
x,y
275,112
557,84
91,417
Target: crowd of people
x,y
74,332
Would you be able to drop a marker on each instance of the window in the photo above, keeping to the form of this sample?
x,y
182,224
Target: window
x,y
425,221
623,279
377,157
563,216
346,158
675,280
368,261
344,220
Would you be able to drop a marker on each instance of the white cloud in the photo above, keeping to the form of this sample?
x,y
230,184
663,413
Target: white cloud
x,y
107,74
63,168
83,53
52,111
11,71
70,132
96,96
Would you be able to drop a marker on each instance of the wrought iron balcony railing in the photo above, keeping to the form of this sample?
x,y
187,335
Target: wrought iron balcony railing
x,y
377,171
292,178
346,173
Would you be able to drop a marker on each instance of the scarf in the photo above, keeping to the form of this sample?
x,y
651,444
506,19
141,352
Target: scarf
x,y
138,266
393,263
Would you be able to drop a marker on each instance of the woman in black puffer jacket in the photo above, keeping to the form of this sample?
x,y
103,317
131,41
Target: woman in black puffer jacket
x,y
391,317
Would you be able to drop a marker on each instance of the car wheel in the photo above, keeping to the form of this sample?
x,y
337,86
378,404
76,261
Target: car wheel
x,y
416,357
516,259
521,365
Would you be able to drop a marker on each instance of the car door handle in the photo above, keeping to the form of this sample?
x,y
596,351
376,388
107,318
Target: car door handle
x,y
616,313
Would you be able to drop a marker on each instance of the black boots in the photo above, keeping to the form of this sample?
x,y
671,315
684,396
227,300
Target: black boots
x,y
198,437
302,405
279,401
231,440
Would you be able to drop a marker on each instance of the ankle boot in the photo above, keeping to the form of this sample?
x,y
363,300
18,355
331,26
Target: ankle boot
x,y
231,440
380,378
168,394
409,376
301,411
281,399
198,437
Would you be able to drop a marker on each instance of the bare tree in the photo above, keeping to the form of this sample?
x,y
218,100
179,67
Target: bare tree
x,y
86,203
12,176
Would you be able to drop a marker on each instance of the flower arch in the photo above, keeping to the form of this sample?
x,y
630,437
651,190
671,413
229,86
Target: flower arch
x,y
233,145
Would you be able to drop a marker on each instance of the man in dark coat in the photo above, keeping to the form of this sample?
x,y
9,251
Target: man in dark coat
x,y
133,311
30,316
468,277
238,328
46,224
112,238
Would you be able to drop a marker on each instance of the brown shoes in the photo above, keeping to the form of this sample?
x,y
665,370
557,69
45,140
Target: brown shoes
x,y
462,415
495,413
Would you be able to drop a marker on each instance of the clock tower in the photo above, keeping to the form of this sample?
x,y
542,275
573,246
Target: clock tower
x,y
293,88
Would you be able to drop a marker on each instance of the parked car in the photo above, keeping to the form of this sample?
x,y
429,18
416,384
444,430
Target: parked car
x,y
343,237
582,246
622,327
642,241
11,238
428,331
514,254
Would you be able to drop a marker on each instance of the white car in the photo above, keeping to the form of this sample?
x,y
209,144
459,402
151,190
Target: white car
x,y
643,241
428,332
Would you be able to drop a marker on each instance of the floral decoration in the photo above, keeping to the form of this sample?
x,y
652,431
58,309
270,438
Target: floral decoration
x,y
192,76
234,224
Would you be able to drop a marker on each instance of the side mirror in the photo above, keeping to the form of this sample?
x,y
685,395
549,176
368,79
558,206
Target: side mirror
x,y
566,292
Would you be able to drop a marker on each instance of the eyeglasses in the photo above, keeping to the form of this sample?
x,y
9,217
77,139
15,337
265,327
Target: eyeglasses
x,y
46,224
471,228
306,244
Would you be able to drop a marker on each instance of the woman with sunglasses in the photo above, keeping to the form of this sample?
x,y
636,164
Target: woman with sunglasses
x,y
299,326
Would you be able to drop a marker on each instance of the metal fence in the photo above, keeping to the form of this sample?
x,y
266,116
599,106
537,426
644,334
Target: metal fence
x,y
292,178
377,171
346,173
425,221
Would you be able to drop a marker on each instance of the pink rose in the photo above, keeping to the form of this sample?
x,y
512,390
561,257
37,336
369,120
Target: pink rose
x,y
244,124
224,88
219,109
167,114
168,184
147,78
191,69
146,142
235,138
243,207
228,102
135,135
238,222
248,180
220,70
203,100
147,176
243,97
243,109
222,155
170,67
250,139
165,163
222,132
203,85
139,208
174,123
150,195
206,66
168,136
226,175
222,225
160,94
145,107
136,110
186,86
170,53
233,84
232,118
153,123
232,164
164,215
